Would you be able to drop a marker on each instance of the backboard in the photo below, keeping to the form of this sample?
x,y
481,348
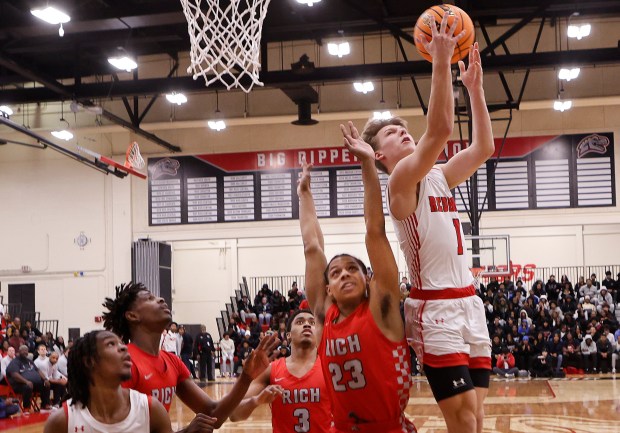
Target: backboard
x,y
489,256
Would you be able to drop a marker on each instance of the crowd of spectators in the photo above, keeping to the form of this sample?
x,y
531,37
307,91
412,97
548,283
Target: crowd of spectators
x,y
553,328
246,328
32,362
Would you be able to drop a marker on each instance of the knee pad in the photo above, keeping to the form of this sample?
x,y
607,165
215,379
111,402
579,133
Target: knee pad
x,y
447,382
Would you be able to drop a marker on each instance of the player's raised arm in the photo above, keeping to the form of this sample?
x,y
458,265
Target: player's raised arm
x,y
314,253
385,291
439,123
465,163
221,409
260,392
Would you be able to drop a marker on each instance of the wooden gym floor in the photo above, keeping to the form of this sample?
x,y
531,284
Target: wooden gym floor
x,y
573,405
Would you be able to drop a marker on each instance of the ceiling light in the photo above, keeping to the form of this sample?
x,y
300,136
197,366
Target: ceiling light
x,y
364,87
217,125
125,63
568,74
578,32
562,105
339,49
383,115
176,98
51,15
6,111
62,134
308,2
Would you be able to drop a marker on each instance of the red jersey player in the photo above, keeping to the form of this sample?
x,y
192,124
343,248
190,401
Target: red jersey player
x,y
138,316
363,350
294,386
444,318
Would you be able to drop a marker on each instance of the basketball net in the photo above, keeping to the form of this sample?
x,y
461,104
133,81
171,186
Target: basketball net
x,y
133,159
477,273
225,41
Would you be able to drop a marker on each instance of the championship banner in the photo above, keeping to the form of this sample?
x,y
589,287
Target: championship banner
x,y
533,172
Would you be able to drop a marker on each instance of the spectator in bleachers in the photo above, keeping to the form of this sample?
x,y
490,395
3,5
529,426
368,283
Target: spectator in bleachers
x,y
567,290
62,363
234,331
5,347
28,341
282,334
553,306
255,330
524,354
541,367
243,353
553,288
538,289
264,310
588,354
608,282
58,382
15,340
4,363
25,378
587,307
294,297
510,342
187,349
245,308
568,304
581,282
595,282
519,288
555,350
17,324
588,289
525,323
496,328
604,351
59,345
279,305
508,284
505,364
493,285
227,347
530,303
604,297
33,331
42,356
496,347
571,352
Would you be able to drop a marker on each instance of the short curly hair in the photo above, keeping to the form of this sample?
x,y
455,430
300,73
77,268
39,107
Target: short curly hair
x,y
372,128
114,319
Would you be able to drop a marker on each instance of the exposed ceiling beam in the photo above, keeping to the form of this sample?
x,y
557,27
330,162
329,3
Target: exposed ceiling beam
x,y
277,79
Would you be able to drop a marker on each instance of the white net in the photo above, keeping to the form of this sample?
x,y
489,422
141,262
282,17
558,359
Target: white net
x,y
133,159
225,40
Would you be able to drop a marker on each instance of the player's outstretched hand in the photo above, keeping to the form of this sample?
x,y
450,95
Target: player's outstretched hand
x,y
472,76
441,47
355,144
303,184
260,358
201,424
269,394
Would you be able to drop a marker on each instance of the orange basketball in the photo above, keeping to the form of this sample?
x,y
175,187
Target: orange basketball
x,y
423,29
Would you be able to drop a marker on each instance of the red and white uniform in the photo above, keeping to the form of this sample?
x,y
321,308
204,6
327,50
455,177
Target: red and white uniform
x,y
80,420
368,376
444,318
157,376
304,406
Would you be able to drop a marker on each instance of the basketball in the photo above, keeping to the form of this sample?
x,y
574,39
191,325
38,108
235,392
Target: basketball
x,y
423,30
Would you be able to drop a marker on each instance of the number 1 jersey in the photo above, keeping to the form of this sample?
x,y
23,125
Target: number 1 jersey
x,y
432,239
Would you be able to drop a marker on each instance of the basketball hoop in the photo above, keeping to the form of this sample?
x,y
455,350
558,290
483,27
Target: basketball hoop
x,y
477,273
225,41
133,159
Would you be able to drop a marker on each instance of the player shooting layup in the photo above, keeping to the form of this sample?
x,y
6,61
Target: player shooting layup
x,y
444,318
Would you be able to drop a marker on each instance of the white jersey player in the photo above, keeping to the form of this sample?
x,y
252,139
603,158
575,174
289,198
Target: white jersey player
x,y
445,320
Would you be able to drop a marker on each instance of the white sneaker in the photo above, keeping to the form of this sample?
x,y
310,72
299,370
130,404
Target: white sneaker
x,y
613,371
